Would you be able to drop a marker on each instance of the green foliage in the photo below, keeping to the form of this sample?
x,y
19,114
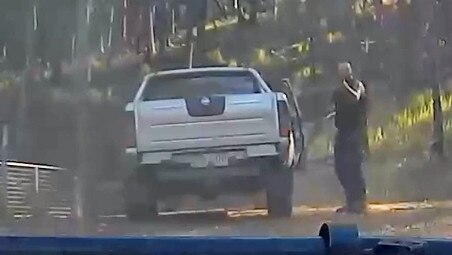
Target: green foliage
x,y
407,132
409,126
6,80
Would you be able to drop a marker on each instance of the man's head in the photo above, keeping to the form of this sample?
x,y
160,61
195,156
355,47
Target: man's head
x,y
345,70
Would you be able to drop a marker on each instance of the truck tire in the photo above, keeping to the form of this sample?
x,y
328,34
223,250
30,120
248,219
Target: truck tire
x,y
140,202
279,190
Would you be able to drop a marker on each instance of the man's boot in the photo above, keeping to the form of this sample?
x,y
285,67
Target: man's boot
x,y
354,206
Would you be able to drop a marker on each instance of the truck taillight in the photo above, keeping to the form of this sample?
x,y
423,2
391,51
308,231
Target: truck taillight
x,y
283,119
130,139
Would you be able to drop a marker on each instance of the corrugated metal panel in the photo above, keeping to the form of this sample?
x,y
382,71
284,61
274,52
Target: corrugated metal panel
x,y
36,188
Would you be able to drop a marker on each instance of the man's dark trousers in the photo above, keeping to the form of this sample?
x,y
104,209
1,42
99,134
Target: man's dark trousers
x,y
348,157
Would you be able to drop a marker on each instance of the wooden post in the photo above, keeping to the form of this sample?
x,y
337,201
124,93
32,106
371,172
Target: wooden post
x,y
191,45
110,30
35,17
152,28
73,47
173,21
124,21
190,61
275,10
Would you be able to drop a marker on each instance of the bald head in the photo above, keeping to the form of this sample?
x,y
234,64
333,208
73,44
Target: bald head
x,y
345,70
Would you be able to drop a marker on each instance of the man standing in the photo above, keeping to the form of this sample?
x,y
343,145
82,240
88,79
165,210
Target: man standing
x,y
350,105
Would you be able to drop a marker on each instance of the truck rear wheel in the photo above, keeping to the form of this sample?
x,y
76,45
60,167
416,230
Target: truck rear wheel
x,y
140,202
279,190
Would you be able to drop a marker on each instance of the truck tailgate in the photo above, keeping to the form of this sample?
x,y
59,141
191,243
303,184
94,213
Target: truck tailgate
x,y
215,121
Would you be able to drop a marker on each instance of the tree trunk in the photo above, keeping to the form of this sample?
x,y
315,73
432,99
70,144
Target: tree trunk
x,y
81,81
438,118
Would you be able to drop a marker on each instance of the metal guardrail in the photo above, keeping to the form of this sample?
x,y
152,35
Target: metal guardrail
x,y
36,189
332,240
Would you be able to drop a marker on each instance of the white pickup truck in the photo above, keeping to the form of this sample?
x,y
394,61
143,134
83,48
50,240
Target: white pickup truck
x,y
207,132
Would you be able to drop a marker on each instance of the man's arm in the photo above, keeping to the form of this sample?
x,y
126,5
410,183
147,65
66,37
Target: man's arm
x,y
366,137
318,124
331,110
365,109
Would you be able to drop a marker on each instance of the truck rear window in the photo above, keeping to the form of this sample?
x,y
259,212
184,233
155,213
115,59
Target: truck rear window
x,y
197,85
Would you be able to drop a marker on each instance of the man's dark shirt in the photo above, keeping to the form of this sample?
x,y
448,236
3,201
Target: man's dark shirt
x,y
351,114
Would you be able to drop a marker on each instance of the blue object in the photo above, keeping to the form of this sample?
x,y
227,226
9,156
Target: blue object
x,y
332,240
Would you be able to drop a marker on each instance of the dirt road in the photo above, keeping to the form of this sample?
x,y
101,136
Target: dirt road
x,y
427,219
409,219
317,194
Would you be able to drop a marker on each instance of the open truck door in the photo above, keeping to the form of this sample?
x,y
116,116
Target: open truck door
x,y
297,126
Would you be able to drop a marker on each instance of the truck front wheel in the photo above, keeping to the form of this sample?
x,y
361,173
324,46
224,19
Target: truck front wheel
x,y
140,201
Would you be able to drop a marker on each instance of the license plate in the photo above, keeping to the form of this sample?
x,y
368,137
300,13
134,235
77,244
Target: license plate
x,y
220,159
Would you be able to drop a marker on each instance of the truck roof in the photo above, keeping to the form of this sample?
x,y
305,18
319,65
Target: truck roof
x,y
202,69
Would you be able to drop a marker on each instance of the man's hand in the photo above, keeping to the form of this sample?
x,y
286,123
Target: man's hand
x,y
366,146
357,91
330,115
